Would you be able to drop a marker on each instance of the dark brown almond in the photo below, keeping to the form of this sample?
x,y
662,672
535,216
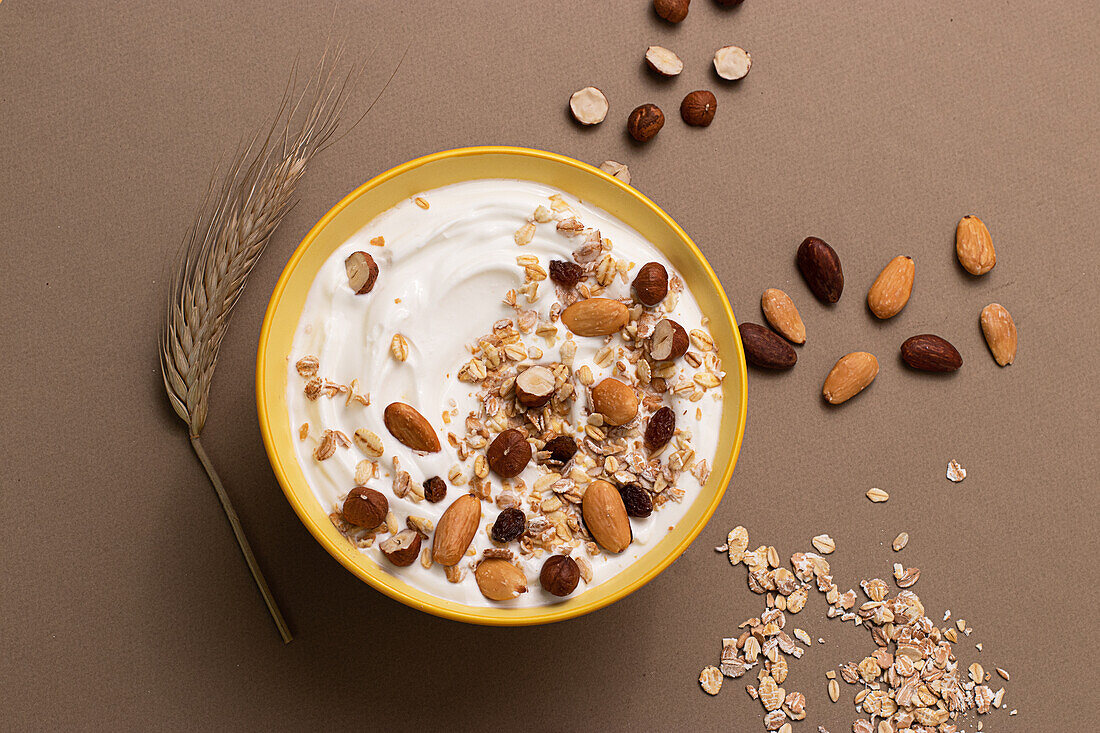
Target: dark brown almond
x,y
651,283
509,453
820,266
764,348
930,353
365,507
660,429
669,341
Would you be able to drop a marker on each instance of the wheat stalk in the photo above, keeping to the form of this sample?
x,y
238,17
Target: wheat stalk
x,y
238,214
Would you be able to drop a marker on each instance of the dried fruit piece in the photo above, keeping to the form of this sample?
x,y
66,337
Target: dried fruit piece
x,y
403,548
820,266
781,313
644,122
560,575
659,430
365,507
637,501
455,530
930,353
1000,333
534,386
669,341
605,516
410,427
589,106
509,453
764,348
566,274
651,283
435,489
561,448
616,401
663,61
500,580
698,108
673,11
361,271
892,288
509,525
616,170
732,62
595,317
849,376
974,246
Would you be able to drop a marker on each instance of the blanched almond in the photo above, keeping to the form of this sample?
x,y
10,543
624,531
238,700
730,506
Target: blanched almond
x,y
1000,333
781,313
595,317
500,580
974,246
616,401
850,376
455,530
891,289
605,516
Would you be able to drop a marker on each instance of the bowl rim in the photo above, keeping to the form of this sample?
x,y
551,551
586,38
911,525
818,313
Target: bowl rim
x,y
534,615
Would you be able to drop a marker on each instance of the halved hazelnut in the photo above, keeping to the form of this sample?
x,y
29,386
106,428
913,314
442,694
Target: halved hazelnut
x,y
698,108
403,548
362,272
618,170
589,106
534,386
663,61
669,341
732,62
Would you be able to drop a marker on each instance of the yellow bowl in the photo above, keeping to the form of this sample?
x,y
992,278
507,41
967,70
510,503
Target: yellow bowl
x,y
453,166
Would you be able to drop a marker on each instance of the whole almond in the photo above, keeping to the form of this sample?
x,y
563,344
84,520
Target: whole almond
x,y
500,580
595,317
410,427
820,266
974,246
763,348
783,316
616,401
850,376
891,289
605,516
455,530
930,353
1000,333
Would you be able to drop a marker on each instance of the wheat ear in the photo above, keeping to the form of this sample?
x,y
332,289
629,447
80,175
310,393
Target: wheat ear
x,y
240,211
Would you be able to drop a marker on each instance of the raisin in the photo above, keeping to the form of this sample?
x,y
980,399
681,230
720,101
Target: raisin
x,y
660,429
561,448
435,489
637,501
509,525
566,274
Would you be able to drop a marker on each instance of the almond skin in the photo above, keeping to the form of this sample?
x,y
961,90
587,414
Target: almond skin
x,y
500,580
892,288
455,530
783,316
616,401
763,348
974,246
605,516
410,427
1000,333
820,266
595,317
850,376
930,353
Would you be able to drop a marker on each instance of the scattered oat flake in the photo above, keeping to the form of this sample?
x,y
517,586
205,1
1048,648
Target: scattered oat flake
x,y
711,680
877,495
421,202
900,541
824,544
1003,674
955,472
379,241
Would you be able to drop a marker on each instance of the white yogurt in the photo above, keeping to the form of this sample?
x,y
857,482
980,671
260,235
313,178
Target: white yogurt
x,y
443,274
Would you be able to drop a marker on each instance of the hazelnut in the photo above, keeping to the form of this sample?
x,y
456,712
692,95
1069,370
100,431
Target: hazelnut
x,y
663,61
660,429
509,453
651,283
730,3
698,108
645,122
560,575
365,507
435,489
673,11
616,401
669,341
616,170
561,448
361,271
589,106
534,386
732,62
403,548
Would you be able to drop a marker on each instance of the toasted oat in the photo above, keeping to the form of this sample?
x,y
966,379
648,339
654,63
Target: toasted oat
x,y
955,472
399,347
421,202
824,544
365,470
307,366
834,690
711,680
877,495
542,215
303,431
900,541
368,442
327,447
378,241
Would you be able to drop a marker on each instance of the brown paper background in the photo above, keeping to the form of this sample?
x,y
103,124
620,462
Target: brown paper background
x,y
125,603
